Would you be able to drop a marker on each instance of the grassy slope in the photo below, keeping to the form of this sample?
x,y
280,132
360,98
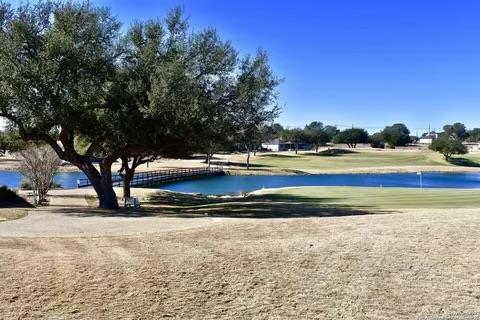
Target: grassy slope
x,y
379,198
358,159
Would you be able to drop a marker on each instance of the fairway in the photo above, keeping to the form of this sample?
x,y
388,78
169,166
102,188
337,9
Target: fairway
x,y
377,198
344,160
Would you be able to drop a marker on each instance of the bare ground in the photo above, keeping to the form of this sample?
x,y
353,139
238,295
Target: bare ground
x,y
401,265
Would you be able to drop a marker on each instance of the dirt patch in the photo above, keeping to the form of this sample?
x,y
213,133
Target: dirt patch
x,y
395,266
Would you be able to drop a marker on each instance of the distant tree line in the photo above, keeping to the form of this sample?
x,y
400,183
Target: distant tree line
x,y
449,142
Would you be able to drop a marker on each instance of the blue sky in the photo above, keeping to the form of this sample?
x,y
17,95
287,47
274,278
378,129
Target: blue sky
x,y
363,62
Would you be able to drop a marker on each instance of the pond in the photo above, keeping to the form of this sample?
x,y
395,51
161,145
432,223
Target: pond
x,y
12,179
236,184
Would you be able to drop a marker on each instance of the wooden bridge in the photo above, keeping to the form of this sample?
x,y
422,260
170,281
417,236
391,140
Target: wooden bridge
x,y
143,179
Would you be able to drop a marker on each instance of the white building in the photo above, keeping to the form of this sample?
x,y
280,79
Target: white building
x,y
472,146
281,145
428,138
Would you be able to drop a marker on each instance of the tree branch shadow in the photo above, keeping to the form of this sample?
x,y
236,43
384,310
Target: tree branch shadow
x,y
170,204
463,162
332,153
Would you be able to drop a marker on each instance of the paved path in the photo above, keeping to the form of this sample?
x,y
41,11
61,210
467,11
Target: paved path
x,y
71,224
70,216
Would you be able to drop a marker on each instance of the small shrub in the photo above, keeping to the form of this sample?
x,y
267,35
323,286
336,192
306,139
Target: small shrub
x,y
26,185
38,164
7,195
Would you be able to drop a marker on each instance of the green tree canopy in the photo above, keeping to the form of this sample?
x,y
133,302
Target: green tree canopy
x,y
474,135
11,141
396,135
70,78
254,100
315,134
456,130
295,136
351,137
377,140
448,147
331,132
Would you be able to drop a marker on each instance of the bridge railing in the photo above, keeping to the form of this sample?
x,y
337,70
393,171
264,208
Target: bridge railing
x,y
158,176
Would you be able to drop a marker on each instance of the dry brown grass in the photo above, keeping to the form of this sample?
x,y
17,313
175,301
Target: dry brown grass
x,y
393,266
12,213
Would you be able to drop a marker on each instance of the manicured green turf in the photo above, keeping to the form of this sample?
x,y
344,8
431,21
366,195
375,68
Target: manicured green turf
x,y
378,198
360,159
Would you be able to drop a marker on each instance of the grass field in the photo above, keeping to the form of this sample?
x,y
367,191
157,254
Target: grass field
x,y
297,202
377,198
319,256
352,159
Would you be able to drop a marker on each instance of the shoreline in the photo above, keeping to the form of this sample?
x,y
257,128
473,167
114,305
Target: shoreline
x,y
276,171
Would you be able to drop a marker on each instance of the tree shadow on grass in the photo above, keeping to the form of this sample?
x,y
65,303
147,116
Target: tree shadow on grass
x,y
285,156
463,162
168,204
239,164
332,153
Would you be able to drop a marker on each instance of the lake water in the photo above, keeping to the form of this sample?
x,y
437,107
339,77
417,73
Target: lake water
x,y
236,184
12,179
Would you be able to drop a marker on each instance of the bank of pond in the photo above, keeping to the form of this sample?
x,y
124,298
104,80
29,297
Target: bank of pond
x,y
237,184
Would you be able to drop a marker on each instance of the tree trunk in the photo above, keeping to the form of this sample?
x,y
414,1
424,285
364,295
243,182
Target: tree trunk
x,y
248,158
209,159
316,148
101,181
296,148
254,151
103,187
127,178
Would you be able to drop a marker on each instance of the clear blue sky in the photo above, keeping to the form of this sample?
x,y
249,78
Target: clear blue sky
x,y
363,62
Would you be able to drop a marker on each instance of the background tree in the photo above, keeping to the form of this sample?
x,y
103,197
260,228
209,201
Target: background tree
x,y
377,140
331,132
474,135
351,137
254,102
315,134
295,136
396,135
11,141
3,143
38,163
456,130
271,131
448,147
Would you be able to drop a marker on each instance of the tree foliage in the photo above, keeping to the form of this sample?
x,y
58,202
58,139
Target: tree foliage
x,y
295,136
352,137
377,140
448,147
70,78
11,141
254,100
316,135
331,132
396,135
474,135
456,131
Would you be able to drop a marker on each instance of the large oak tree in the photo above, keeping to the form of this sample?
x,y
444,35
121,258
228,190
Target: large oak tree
x,y
70,78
